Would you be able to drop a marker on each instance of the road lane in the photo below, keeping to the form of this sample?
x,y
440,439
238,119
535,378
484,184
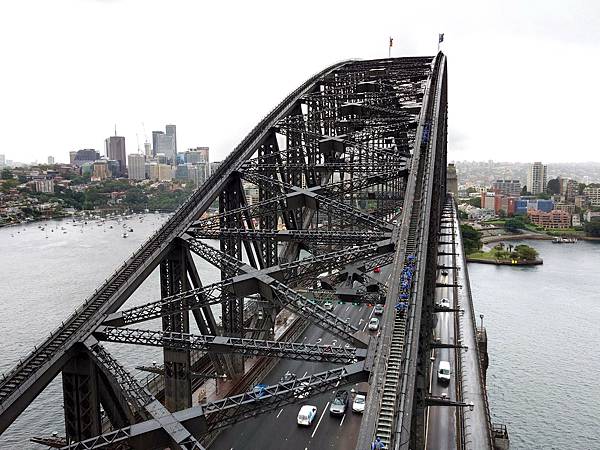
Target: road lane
x,y
441,420
279,429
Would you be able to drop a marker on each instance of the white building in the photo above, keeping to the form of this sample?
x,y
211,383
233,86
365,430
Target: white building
x,y
136,166
46,186
593,195
537,178
50,160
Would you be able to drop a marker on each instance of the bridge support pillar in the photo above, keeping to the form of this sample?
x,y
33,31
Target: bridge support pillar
x,y
178,381
81,399
233,307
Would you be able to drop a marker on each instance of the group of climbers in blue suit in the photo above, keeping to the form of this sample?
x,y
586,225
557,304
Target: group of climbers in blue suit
x,y
405,283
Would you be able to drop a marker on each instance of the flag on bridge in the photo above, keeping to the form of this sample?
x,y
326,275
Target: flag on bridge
x,y
391,41
440,39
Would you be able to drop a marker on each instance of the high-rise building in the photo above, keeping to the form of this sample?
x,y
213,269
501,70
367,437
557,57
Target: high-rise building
x,y
72,156
196,155
171,130
165,143
50,160
507,187
593,195
100,170
46,186
148,150
536,178
160,172
114,168
452,180
115,149
136,166
86,155
2,160
568,187
155,135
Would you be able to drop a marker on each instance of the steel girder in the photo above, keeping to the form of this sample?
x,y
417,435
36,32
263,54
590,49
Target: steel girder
x,y
223,413
362,113
311,236
224,344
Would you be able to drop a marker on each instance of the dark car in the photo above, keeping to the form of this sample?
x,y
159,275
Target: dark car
x,y
339,403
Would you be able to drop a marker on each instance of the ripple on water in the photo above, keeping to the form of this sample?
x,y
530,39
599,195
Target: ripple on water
x,y
542,325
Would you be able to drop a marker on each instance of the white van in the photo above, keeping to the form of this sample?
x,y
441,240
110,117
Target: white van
x,y
443,375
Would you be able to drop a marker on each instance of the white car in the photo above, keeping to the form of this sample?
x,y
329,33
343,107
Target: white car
x,y
378,310
328,306
306,415
443,375
374,324
358,405
444,303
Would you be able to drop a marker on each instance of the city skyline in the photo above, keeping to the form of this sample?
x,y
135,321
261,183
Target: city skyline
x,y
505,46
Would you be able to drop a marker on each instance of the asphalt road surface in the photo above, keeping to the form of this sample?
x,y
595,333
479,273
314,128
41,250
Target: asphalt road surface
x,y
441,420
279,429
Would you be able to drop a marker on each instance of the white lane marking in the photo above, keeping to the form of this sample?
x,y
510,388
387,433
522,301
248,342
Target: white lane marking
x,y
347,308
343,417
337,384
319,422
304,374
279,413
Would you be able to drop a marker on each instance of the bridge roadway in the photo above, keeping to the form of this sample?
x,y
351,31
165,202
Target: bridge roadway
x,y
279,429
478,420
441,420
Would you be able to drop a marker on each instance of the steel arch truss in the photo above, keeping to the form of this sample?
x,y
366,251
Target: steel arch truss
x,y
326,172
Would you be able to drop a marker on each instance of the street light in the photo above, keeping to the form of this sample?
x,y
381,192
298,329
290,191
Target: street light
x,y
481,316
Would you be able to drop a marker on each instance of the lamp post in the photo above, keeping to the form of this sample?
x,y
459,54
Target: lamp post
x,y
481,316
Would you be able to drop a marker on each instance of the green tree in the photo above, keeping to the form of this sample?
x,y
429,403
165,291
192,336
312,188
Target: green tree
x,y
592,228
475,201
471,238
6,174
553,186
136,199
526,252
524,190
501,213
543,196
514,224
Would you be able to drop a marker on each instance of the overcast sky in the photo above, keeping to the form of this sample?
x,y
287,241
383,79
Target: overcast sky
x,y
523,75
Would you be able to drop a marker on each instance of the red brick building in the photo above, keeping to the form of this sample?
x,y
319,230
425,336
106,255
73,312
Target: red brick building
x,y
553,219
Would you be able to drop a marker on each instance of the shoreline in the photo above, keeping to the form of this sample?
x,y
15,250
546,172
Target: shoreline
x,y
530,236
498,262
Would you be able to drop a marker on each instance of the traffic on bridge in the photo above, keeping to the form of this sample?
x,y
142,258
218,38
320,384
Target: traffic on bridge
x,y
340,294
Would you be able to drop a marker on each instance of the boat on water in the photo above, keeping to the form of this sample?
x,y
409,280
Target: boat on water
x,y
130,230
562,240
124,235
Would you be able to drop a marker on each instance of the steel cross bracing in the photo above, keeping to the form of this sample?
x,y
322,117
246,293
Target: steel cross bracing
x,y
209,416
225,344
332,164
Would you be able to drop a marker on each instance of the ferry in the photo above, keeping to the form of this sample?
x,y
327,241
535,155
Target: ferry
x,y
562,240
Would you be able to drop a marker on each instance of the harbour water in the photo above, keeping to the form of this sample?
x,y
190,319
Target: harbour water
x,y
542,325
44,275
543,333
